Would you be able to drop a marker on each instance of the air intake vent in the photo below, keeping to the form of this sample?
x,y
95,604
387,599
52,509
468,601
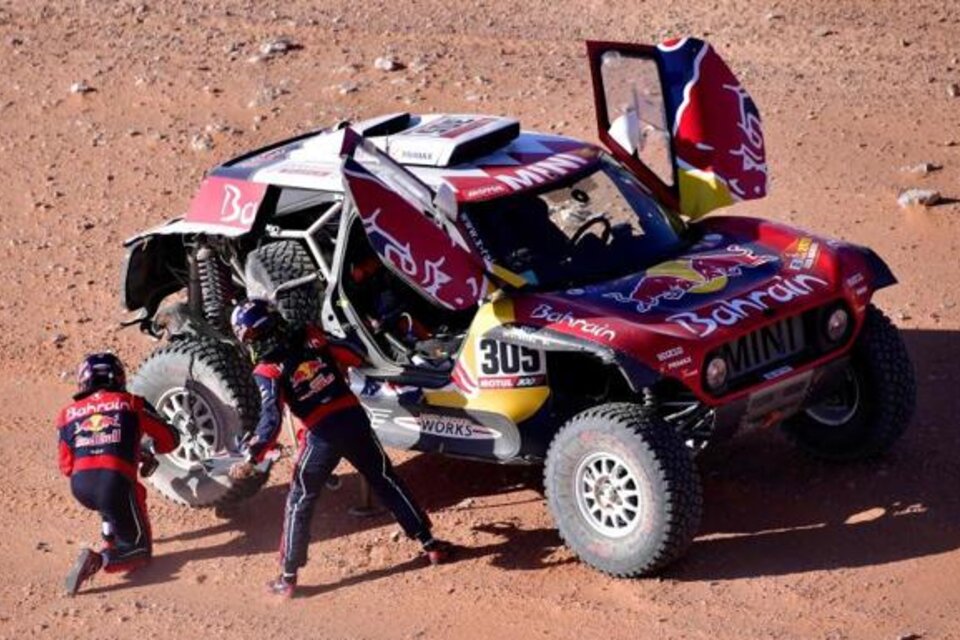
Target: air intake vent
x,y
448,140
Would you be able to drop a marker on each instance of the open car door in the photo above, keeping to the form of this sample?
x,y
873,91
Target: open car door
x,y
407,228
678,118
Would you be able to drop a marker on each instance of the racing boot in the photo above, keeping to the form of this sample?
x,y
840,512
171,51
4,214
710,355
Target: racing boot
x,y
438,551
284,586
85,567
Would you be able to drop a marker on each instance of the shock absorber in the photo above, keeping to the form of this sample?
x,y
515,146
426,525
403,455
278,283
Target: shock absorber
x,y
215,287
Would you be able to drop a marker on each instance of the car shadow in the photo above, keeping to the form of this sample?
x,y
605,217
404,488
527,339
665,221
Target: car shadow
x,y
769,509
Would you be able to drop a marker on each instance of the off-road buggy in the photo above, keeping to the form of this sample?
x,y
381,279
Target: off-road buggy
x,y
530,298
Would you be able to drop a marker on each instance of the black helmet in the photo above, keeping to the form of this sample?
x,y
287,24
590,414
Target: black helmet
x,y
100,371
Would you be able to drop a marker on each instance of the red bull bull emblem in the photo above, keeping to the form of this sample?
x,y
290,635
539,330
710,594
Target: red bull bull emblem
x,y
305,372
308,374
98,430
705,273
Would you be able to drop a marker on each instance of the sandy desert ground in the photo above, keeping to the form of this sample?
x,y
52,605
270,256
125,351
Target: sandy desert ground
x,y
851,92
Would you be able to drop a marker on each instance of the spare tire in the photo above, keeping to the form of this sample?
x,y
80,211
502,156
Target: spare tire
x,y
280,262
205,389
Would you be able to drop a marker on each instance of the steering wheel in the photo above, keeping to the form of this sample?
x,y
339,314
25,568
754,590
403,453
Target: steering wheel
x,y
592,222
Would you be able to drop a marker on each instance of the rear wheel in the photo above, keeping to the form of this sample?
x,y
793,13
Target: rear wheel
x,y
203,388
873,405
623,489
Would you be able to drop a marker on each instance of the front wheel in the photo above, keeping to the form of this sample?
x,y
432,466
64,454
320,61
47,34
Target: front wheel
x,y
873,405
623,489
205,389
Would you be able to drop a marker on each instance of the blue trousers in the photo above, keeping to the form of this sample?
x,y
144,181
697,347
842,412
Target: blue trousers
x,y
121,504
345,435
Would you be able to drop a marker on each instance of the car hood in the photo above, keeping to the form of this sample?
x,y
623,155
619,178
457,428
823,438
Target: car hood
x,y
740,274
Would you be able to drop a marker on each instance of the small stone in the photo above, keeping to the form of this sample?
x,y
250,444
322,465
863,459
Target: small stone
x,y
201,142
277,47
347,87
44,546
81,88
773,15
395,536
921,197
466,503
953,90
823,32
387,63
57,340
910,636
922,169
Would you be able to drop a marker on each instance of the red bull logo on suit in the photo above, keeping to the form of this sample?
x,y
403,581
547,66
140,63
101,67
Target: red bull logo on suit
x,y
307,379
98,430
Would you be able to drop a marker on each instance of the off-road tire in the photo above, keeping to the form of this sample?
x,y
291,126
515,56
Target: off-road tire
x,y
887,398
218,374
287,260
666,477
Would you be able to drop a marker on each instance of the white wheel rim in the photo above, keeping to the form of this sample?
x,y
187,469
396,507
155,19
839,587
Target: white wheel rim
x,y
608,494
196,422
837,411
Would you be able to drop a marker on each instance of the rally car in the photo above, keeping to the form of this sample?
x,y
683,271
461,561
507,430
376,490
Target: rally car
x,y
531,298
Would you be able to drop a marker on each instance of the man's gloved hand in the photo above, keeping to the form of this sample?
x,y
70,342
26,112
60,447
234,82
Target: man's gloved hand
x,y
242,470
148,463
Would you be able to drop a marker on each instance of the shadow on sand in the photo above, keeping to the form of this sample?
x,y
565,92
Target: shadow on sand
x,y
769,510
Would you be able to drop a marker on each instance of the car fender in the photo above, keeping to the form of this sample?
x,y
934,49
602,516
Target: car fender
x,y
637,375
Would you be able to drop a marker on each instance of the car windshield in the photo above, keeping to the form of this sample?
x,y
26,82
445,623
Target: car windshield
x,y
598,226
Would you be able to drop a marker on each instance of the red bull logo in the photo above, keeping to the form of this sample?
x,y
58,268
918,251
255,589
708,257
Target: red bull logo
x,y
308,379
97,423
98,430
705,273
305,372
716,129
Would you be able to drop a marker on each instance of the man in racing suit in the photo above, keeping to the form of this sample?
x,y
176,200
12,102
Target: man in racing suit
x,y
100,448
298,369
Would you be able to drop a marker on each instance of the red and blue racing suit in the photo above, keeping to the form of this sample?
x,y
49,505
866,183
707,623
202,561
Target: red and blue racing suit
x,y
306,378
99,450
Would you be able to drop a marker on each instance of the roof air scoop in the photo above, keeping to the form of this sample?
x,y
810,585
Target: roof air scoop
x,y
448,140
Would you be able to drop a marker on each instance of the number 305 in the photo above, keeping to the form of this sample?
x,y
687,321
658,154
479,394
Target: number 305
x,y
503,359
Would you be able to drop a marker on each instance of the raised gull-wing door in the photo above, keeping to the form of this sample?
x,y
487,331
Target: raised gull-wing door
x,y
680,120
407,228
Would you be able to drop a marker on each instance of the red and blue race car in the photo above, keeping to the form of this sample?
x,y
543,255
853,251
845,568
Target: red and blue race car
x,y
531,298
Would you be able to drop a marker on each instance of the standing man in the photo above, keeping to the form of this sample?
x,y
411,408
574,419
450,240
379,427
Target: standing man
x,y
100,437
297,369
